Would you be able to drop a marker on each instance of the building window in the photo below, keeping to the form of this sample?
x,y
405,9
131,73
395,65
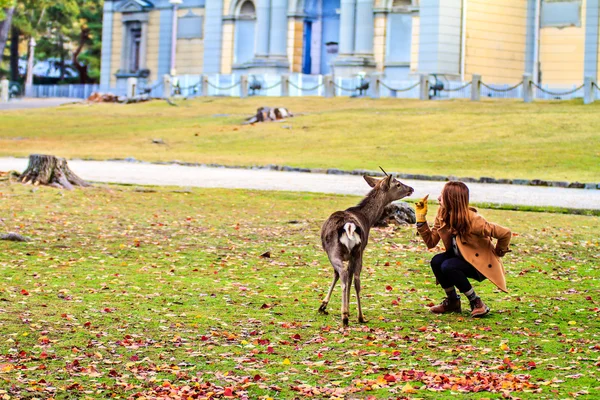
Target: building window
x,y
189,26
244,33
136,45
561,13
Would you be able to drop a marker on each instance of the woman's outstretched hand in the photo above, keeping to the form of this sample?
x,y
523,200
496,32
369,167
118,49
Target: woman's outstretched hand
x,y
421,209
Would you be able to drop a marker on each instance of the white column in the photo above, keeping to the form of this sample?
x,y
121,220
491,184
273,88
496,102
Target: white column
x,y
278,34
144,45
363,44
347,22
263,23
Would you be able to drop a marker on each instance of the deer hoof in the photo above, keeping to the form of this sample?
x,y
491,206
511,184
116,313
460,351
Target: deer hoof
x,y
362,320
345,322
322,309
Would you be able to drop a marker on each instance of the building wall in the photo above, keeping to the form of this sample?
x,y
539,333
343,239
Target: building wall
x,y
117,45
227,49
295,40
562,54
190,52
495,40
379,40
414,51
440,36
152,49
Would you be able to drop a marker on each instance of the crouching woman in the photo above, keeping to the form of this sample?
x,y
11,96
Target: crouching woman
x,y
470,252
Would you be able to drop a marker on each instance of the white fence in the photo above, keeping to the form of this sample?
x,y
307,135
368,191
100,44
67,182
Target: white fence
x,y
233,85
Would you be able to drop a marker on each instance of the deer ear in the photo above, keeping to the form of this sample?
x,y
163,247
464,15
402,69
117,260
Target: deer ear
x,y
387,181
371,181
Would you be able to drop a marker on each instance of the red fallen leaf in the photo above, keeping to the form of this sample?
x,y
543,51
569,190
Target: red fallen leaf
x,y
430,304
387,264
531,364
87,324
394,302
134,358
24,292
204,338
265,305
43,355
389,378
266,254
588,298
107,310
228,392
296,336
319,355
270,350
388,288
256,378
112,373
422,329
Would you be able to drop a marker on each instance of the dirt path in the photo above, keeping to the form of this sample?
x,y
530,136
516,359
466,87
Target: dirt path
x,y
177,175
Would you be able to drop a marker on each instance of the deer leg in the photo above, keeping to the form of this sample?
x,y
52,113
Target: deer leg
x,y
345,279
323,307
356,269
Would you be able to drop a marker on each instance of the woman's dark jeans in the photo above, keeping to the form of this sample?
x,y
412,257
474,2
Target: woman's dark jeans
x,y
451,270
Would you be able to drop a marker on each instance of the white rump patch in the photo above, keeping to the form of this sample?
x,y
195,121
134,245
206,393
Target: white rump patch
x,y
350,238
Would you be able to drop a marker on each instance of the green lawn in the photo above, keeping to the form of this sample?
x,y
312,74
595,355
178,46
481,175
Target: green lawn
x,y
501,139
125,293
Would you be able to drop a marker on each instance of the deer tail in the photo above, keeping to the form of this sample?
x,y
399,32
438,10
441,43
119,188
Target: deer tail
x,y
349,237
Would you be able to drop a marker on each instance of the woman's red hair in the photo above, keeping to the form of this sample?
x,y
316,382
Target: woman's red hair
x,y
455,209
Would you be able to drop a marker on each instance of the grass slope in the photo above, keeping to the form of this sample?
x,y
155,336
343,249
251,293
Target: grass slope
x,y
502,139
132,294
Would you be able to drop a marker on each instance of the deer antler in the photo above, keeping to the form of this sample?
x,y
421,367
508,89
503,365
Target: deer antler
x,y
386,174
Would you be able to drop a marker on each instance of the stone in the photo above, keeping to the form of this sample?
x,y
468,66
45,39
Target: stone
x,y
487,179
562,184
505,181
467,179
399,213
576,185
590,186
439,178
335,171
538,182
520,181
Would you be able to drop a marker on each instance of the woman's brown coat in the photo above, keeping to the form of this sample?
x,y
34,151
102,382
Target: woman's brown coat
x,y
476,247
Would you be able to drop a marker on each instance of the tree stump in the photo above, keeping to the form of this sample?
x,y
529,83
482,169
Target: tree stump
x,y
52,171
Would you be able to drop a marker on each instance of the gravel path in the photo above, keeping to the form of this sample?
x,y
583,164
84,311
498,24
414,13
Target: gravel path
x,y
19,104
177,175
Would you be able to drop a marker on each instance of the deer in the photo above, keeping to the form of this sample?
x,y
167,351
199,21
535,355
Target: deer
x,y
345,234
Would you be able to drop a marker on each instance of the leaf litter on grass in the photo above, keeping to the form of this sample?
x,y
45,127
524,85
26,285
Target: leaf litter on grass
x,y
166,295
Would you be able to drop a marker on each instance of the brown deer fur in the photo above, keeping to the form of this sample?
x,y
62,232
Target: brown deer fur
x,y
345,234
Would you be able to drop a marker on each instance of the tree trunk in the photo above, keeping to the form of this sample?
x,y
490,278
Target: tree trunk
x,y
81,67
14,53
62,57
52,171
5,28
29,74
